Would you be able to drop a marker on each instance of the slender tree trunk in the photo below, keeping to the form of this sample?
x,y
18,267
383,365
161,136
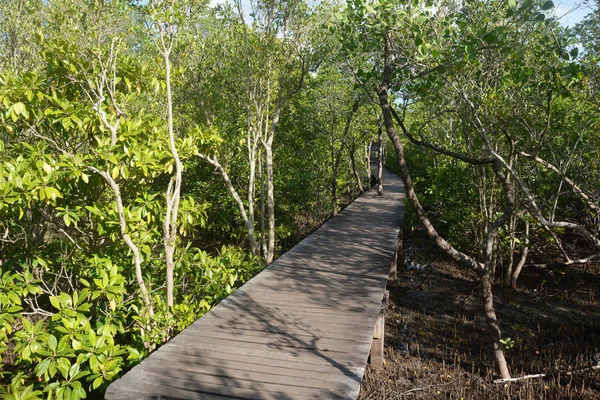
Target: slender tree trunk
x,y
263,237
486,275
368,158
493,326
414,201
446,247
409,187
174,189
238,200
508,270
380,165
137,260
270,205
252,153
268,146
354,169
333,168
519,267
252,138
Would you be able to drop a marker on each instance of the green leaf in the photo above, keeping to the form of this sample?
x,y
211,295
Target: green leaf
x,y
18,108
547,5
52,193
55,302
74,370
574,52
52,342
42,367
490,38
97,382
421,19
64,366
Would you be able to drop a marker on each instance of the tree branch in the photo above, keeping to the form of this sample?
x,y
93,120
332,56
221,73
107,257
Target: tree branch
x,y
438,148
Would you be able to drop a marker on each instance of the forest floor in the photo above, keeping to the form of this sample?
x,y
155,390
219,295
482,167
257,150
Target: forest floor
x,y
435,334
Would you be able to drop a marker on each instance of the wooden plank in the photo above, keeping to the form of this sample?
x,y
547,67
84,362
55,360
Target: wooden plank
x,y
285,314
152,387
302,328
216,366
339,360
328,299
144,389
306,326
271,306
298,319
303,333
306,384
191,383
325,345
285,367
309,303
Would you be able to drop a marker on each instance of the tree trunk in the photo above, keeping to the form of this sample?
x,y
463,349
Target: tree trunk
x,y
380,165
270,206
482,270
238,200
354,170
508,270
127,239
252,153
368,158
174,190
519,267
263,233
333,171
493,326
410,190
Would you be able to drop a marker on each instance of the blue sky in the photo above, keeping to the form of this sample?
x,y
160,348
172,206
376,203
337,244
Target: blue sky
x,y
571,12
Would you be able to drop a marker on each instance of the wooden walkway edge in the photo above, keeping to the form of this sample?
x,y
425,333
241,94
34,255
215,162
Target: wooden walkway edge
x,y
301,329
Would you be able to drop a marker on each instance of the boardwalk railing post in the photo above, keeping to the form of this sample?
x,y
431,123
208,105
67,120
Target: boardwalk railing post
x,y
379,334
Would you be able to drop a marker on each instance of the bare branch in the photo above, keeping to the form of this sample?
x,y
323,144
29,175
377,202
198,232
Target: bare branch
x,y
532,204
564,177
249,224
534,376
436,147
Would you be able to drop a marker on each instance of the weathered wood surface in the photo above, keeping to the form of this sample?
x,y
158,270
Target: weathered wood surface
x,y
300,329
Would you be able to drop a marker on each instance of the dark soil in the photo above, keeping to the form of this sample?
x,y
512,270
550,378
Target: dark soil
x,y
436,346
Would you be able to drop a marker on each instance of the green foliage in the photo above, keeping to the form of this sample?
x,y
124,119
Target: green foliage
x,y
86,159
71,314
85,340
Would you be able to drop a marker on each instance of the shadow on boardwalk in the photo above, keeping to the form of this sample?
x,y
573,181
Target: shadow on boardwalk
x,y
302,328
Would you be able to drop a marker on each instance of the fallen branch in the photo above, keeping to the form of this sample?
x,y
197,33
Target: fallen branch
x,y
424,388
522,378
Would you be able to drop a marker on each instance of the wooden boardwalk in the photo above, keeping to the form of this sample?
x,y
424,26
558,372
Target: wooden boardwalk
x,y
300,329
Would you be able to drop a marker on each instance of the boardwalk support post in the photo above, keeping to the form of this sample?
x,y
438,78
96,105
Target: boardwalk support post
x,y
397,263
379,334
